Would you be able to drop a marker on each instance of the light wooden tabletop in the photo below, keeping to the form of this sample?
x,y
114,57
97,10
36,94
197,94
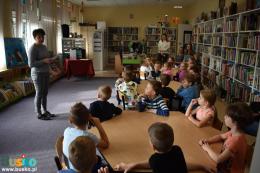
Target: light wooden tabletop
x,y
129,141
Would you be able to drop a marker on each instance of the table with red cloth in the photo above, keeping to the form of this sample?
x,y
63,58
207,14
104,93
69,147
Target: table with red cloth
x,y
79,67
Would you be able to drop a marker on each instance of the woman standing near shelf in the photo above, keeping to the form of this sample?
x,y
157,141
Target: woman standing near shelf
x,y
163,49
39,61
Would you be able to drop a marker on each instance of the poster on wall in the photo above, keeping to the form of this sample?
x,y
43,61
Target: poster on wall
x,y
15,52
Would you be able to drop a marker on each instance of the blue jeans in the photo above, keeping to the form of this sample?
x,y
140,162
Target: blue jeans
x,y
41,83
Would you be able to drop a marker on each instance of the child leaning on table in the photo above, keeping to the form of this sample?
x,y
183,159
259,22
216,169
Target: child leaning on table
x,y
101,108
80,119
232,157
82,155
152,100
167,158
204,114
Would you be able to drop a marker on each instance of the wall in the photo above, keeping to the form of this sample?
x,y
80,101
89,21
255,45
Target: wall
x,y
143,15
199,6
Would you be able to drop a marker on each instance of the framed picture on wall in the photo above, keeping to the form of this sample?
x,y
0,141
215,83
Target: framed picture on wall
x,y
15,52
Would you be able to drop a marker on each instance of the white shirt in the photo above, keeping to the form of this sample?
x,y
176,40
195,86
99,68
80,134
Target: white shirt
x,y
148,70
163,46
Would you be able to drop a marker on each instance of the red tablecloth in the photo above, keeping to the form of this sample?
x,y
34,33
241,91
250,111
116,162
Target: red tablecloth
x,y
82,67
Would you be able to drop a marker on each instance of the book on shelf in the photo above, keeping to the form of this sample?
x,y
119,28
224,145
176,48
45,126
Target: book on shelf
x,y
26,86
250,22
247,58
215,64
257,42
245,74
208,28
207,39
230,41
231,25
257,82
218,27
216,51
217,40
228,68
229,54
248,41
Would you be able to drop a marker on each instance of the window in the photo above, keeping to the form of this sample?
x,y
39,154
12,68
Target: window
x,y
14,33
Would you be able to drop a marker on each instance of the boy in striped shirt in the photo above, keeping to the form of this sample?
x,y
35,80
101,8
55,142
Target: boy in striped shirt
x,y
152,100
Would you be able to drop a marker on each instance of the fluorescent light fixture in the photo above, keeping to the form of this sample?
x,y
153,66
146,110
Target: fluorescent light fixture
x,y
178,6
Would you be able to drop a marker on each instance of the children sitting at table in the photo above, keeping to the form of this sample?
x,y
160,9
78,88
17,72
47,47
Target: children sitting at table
x,y
204,114
165,91
182,72
167,69
167,158
80,120
187,91
157,70
128,89
101,108
82,155
146,69
234,150
152,100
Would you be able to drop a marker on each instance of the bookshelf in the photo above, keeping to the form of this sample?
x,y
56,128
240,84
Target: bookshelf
x,y
153,35
118,40
230,48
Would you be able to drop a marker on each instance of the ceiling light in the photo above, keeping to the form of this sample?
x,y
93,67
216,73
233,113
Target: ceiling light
x,y
178,6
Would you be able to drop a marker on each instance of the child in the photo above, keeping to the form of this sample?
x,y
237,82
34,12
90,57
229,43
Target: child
x,y
82,155
128,89
146,69
80,119
233,153
187,91
157,70
182,72
167,157
171,61
167,69
204,114
152,100
166,92
180,56
101,108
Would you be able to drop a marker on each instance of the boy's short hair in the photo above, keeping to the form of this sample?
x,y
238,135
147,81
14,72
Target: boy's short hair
x,y
209,96
82,153
189,77
158,62
79,114
128,76
156,85
161,136
104,92
165,79
240,113
39,31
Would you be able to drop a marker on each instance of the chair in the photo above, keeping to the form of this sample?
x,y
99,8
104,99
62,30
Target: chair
x,y
59,154
217,123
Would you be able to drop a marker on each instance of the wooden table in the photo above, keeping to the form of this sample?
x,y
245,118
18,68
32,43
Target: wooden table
x,y
79,67
129,141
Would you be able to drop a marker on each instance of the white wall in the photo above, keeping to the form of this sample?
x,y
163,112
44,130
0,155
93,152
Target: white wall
x,y
2,52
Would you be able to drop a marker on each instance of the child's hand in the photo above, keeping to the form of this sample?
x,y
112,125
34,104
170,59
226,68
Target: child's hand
x,y
103,170
152,110
202,141
94,120
205,146
190,117
194,101
124,167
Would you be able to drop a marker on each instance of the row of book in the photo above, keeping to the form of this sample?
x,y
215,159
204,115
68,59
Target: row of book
x,y
208,28
215,64
249,41
247,58
228,68
207,39
229,54
257,82
230,41
231,25
216,51
217,40
218,27
245,74
251,22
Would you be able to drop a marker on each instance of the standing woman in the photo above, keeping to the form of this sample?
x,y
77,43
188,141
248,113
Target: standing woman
x,y
39,61
163,49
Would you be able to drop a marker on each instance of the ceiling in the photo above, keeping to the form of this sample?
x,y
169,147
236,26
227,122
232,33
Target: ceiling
x,y
131,2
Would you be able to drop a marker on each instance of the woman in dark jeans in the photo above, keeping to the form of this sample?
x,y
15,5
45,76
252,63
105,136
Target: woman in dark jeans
x,y
39,61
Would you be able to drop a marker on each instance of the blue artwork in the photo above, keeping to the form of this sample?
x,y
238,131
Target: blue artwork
x,y
15,52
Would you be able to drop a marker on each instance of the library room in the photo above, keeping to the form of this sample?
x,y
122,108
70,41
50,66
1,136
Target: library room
x,y
103,86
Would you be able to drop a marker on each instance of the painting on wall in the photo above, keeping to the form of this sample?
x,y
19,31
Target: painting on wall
x,y
15,53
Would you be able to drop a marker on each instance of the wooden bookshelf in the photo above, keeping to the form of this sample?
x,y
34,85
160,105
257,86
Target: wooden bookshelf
x,y
230,48
153,36
118,39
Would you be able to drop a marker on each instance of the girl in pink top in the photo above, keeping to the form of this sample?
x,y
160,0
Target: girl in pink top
x,y
232,157
204,114
182,72
167,69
